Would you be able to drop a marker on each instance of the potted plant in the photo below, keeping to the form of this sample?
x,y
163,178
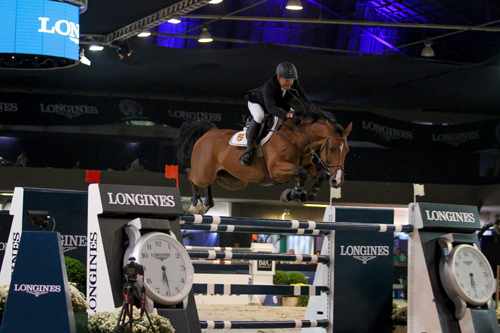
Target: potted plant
x,y
399,318
291,279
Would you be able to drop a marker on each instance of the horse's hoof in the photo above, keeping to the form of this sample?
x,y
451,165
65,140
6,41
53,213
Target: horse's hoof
x,y
195,209
285,195
204,209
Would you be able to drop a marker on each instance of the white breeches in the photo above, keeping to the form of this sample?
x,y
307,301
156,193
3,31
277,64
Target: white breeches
x,y
257,112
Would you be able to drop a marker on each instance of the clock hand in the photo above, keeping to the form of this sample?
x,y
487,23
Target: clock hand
x,y
165,279
473,283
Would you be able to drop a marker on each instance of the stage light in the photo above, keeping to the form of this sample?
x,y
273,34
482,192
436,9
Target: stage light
x,y
144,33
174,19
294,5
205,36
96,47
83,59
214,2
427,51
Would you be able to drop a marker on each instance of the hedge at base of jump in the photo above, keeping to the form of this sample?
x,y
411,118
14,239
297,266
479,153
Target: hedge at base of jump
x,y
257,289
209,324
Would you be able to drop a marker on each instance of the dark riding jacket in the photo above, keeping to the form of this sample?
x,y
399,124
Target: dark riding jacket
x,y
270,97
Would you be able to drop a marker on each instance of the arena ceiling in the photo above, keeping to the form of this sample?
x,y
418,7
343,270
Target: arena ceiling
x,y
355,54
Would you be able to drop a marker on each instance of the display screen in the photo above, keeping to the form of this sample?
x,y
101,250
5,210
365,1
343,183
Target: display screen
x,y
40,27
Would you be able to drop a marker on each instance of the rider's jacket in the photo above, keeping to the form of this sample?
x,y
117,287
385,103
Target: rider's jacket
x,y
270,97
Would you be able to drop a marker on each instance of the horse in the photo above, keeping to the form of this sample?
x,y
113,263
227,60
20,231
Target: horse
x,y
208,158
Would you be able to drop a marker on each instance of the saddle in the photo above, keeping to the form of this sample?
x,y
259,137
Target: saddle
x,y
239,139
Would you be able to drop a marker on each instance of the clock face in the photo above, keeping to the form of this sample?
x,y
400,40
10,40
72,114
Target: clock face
x,y
471,275
168,272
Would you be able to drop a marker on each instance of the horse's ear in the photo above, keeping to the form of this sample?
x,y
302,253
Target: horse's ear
x,y
348,130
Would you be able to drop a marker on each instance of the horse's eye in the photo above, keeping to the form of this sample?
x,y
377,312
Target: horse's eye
x,y
331,149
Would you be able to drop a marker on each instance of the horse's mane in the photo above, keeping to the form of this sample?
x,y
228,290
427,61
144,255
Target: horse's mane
x,y
185,140
314,115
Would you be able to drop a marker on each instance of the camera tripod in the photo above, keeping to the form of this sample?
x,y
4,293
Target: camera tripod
x,y
129,291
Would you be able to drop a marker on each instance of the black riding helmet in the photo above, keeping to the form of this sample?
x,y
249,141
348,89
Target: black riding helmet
x,y
287,70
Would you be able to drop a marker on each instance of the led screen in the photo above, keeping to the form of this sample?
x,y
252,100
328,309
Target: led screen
x,y
40,27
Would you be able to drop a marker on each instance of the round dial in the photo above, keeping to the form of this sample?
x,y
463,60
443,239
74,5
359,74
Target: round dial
x,y
168,272
468,275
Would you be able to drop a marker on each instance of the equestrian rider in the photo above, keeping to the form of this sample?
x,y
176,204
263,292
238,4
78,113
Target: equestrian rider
x,y
273,97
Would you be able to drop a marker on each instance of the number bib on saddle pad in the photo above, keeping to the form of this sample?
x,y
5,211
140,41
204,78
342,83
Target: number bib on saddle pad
x,y
240,140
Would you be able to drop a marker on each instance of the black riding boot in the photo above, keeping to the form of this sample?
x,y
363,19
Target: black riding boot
x,y
252,132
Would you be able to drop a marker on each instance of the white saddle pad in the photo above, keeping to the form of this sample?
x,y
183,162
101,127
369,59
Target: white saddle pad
x,y
239,139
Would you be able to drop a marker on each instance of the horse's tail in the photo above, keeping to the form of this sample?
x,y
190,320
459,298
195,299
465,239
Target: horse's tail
x,y
189,133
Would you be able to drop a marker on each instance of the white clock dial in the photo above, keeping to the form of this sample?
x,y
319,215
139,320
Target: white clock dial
x,y
469,275
168,272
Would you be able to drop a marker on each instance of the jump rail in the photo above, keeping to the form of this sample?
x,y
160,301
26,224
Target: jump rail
x,y
251,230
257,289
292,224
258,256
220,262
204,248
209,324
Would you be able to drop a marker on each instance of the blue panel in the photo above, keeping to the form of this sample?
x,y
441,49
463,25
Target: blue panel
x,y
39,27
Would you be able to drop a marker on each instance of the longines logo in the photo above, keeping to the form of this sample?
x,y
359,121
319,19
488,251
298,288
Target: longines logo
x,y
186,115
386,132
447,216
61,27
72,242
131,109
92,271
37,289
8,107
160,256
456,139
364,253
68,111
133,199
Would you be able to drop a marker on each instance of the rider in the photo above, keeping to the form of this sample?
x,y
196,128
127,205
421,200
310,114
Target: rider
x,y
273,97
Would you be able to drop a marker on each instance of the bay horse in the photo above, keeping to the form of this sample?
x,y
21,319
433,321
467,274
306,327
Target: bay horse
x,y
209,159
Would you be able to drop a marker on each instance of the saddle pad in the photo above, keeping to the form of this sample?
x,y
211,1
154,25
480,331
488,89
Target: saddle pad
x,y
239,139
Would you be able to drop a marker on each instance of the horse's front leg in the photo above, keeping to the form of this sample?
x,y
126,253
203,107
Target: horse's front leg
x,y
208,202
296,193
313,191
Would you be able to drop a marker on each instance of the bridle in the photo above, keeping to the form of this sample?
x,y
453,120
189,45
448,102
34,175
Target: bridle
x,y
326,145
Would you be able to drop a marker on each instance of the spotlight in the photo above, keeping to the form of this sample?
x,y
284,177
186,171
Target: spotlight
x,y
83,59
205,36
176,18
214,2
427,51
144,33
294,5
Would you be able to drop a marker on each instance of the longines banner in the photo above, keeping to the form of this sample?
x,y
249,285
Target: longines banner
x,y
39,109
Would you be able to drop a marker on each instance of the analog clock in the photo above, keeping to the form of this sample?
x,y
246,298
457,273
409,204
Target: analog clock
x,y
168,272
466,274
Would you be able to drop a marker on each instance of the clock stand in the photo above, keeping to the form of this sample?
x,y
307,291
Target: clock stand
x,y
430,306
108,241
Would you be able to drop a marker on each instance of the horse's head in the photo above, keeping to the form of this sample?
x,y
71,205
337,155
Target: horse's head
x,y
333,152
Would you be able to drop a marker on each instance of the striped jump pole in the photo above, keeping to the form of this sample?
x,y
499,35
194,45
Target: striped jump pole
x,y
216,248
293,224
209,324
259,256
221,262
257,289
251,229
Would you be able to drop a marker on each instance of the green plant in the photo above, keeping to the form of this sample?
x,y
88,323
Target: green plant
x,y
399,315
405,289
297,278
77,273
105,322
303,299
281,278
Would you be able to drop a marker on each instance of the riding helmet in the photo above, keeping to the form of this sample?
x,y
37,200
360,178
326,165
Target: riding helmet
x,y
287,70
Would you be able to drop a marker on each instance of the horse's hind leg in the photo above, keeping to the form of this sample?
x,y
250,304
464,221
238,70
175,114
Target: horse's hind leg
x,y
196,204
209,201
